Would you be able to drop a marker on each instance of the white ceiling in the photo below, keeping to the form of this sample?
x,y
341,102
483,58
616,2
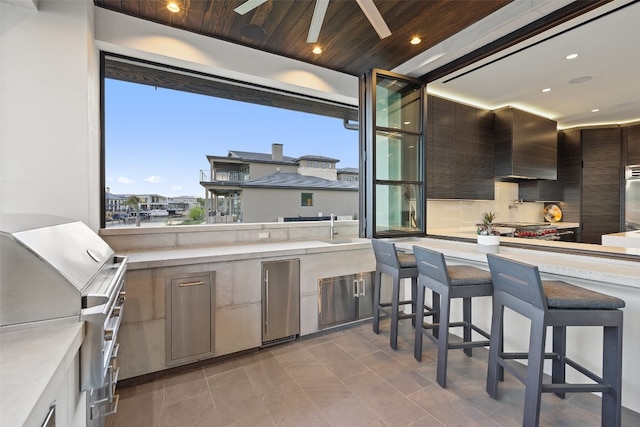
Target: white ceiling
x,y
608,46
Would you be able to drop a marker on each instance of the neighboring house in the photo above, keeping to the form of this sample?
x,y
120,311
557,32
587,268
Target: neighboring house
x,y
348,174
114,202
259,187
182,204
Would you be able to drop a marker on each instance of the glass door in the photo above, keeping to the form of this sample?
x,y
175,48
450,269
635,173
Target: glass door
x,y
392,141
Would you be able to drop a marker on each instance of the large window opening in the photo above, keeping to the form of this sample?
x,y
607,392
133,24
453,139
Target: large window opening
x,y
185,148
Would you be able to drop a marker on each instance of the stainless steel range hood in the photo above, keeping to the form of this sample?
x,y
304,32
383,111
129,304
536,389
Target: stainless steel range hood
x,y
46,265
526,146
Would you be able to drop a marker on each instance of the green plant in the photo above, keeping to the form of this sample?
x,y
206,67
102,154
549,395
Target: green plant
x,y
487,227
133,202
196,213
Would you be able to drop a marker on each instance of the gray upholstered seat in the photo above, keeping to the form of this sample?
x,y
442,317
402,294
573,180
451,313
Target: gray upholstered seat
x,y
564,295
406,260
467,275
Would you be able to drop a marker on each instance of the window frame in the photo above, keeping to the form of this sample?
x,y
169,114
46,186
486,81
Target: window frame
x,y
307,197
135,70
369,131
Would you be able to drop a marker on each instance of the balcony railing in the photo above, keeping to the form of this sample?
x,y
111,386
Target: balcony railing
x,y
224,176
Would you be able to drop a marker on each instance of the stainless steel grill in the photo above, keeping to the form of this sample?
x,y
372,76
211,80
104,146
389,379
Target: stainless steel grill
x,y
52,268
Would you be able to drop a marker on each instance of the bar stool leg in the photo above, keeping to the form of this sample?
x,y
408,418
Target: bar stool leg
x,y
612,375
443,336
395,311
495,347
558,366
466,317
414,301
435,303
535,365
417,342
376,302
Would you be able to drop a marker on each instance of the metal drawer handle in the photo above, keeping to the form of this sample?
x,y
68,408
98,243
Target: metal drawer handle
x,y
184,285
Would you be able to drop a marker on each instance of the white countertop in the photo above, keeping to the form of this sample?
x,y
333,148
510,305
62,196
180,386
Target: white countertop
x,y
582,266
221,253
627,239
553,261
30,357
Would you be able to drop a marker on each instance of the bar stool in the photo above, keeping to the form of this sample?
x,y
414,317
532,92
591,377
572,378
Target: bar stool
x,y
448,282
398,265
558,304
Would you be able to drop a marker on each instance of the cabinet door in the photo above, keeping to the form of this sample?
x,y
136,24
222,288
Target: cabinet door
x,y
190,324
459,151
601,182
337,300
365,295
633,145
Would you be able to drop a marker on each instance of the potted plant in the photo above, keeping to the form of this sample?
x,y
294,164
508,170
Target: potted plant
x,y
487,233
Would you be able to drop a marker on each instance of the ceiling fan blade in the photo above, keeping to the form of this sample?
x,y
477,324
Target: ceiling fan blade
x,y
316,21
248,6
373,15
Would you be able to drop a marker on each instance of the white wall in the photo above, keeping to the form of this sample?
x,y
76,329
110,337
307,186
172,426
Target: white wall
x,y
126,35
465,214
49,81
259,205
49,110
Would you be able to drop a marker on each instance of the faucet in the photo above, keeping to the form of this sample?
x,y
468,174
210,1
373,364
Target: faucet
x,y
515,204
333,226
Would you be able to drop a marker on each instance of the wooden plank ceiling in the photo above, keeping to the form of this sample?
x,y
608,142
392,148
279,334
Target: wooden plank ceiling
x,y
349,42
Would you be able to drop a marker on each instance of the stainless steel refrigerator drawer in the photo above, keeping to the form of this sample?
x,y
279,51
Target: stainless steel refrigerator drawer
x,y
280,301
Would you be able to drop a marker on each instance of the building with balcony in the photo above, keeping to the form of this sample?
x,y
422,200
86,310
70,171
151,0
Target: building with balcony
x,y
265,187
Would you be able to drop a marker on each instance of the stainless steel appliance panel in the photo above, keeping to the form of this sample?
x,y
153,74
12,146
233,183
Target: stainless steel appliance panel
x,y
632,198
280,301
365,295
45,270
190,320
345,299
338,299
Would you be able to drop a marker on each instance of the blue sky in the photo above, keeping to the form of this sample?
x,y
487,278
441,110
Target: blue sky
x,y
157,140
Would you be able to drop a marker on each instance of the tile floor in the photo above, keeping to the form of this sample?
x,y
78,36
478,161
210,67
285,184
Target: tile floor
x,y
349,377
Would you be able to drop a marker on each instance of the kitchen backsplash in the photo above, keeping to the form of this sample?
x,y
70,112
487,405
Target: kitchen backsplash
x,y
466,213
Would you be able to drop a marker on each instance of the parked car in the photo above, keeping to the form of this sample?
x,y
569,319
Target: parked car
x,y
143,214
159,212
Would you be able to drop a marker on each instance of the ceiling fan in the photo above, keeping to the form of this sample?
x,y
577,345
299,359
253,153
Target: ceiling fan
x,y
368,8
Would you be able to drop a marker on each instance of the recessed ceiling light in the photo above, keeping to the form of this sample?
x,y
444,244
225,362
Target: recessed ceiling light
x,y
579,80
572,56
547,89
317,50
415,40
595,110
173,7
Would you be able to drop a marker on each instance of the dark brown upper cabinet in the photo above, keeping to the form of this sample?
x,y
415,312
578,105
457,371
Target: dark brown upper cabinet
x,y
632,142
459,151
526,146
